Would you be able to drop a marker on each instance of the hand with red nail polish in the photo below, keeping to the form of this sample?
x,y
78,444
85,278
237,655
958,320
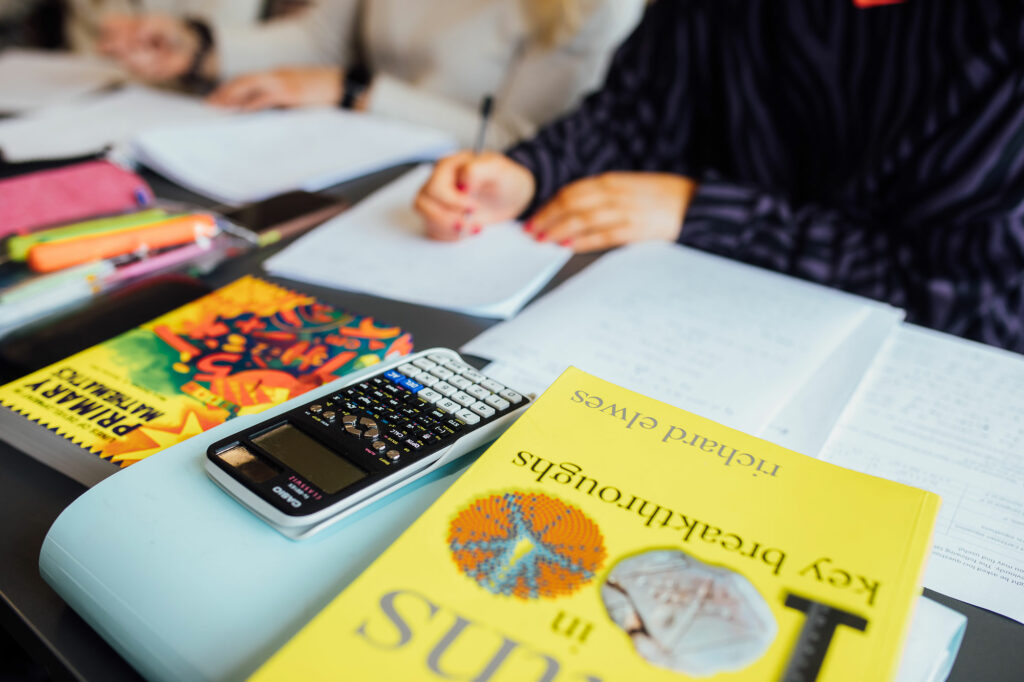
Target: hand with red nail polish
x,y
489,186
612,209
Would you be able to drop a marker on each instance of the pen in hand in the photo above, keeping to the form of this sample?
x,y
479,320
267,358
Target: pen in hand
x,y
486,107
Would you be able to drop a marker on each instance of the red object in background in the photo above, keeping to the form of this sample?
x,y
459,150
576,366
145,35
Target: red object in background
x,y
68,194
864,4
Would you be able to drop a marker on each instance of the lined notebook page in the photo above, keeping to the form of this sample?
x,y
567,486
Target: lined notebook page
x,y
947,415
722,339
379,247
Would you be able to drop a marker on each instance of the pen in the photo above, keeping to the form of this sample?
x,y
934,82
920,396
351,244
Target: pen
x,y
486,107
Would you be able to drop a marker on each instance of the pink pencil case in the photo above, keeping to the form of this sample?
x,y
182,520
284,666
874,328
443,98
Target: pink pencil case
x,y
68,194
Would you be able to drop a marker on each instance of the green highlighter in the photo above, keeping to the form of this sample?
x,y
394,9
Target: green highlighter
x,y
18,246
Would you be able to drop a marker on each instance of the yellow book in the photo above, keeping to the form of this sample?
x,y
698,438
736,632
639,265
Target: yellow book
x,y
608,536
236,351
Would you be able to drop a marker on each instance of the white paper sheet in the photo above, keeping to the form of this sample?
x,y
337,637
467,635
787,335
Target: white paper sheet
x,y
33,79
379,247
254,156
947,415
721,339
89,125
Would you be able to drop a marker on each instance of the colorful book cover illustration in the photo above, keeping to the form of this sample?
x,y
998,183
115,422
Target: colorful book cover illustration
x,y
608,536
236,351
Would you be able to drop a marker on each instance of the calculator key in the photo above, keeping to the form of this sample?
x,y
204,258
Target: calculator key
x,y
392,389
396,434
414,444
373,432
492,385
511,396
457,367
445,389
354,431
316,409
448,405
441,372
453,423
427,379
460,382
474,376
433,416
392,455
462,398
440,358
467,416
496,402
477,391
391,375
423,363
413,386
349,419
410,370
430,395
482,409
379,445
443,430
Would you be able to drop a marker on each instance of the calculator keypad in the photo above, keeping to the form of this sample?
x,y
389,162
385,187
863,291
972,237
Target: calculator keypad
x,y
421,404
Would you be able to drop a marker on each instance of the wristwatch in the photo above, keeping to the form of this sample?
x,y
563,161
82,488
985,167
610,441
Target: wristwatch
x,y
355,83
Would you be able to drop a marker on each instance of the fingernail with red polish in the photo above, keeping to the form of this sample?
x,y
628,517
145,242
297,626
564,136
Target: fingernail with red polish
x,y
461,186
541,237
476,229
565,242
528,226
458,227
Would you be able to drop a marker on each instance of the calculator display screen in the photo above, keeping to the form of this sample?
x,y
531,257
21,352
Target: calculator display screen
x,y
316,463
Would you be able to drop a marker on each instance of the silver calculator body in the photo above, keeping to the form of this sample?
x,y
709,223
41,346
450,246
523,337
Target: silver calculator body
x,y
383,428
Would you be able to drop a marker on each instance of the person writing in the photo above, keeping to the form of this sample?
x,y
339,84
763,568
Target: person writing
x,y
427,62
820,139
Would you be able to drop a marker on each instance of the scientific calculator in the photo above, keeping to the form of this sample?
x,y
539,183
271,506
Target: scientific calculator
x,y
313,465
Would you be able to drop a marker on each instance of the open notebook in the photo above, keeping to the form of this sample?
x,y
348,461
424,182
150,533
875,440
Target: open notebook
x,y
33,79
813,369
90,124
253,156
379,247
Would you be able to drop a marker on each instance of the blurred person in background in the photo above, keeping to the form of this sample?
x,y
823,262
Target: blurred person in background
x,y
86,20
428,62
831,140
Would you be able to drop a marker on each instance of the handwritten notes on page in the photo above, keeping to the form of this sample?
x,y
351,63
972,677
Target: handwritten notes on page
x,y
34,79
255,156
722,339
947,415
93,123
379,247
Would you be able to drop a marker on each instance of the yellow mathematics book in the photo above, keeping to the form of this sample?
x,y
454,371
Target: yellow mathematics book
x,y
238,350
608,536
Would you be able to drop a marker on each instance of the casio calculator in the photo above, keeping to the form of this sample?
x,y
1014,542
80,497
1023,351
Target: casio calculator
x,y
315,464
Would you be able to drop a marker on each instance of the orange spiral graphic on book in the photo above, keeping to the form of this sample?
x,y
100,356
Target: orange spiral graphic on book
x,y
526,545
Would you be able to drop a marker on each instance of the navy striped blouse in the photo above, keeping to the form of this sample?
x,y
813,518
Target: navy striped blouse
x,y
878,150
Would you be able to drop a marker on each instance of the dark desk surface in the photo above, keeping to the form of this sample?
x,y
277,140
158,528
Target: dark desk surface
x,y
34,495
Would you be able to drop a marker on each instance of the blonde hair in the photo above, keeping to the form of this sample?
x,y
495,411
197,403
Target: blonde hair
x,y
555,21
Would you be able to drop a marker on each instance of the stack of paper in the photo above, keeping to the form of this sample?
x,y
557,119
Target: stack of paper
x,y
90,125
33,79
379,247
254,156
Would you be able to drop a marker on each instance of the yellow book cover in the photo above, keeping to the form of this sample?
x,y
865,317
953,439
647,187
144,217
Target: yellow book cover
x,y
239,350
608,536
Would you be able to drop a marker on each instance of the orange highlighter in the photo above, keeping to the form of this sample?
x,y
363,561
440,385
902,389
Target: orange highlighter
x,y
50,256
